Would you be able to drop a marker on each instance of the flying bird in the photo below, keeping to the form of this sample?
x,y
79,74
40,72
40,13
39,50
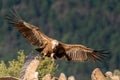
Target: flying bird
x,y
51,47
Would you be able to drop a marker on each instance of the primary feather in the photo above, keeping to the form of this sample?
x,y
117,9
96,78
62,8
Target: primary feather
x,y
81,53
29,31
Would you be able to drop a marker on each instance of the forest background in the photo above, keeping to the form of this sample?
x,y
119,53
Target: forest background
x,y
94,23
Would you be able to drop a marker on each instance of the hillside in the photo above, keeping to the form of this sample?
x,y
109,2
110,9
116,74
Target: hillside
x,y
91,23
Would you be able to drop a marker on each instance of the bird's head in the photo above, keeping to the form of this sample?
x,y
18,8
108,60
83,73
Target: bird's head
x,y
55,43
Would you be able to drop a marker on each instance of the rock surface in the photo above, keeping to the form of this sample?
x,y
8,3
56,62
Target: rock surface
x,y
61,77
8,78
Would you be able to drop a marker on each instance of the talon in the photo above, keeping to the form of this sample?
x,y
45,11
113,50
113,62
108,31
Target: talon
x,y
52,55
43,57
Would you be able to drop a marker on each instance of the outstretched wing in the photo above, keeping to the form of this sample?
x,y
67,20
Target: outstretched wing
x,y
80,53
29,31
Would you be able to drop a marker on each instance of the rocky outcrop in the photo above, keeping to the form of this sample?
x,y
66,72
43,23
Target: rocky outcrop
x,y
97,75
111,76
28,71
61,77
8,78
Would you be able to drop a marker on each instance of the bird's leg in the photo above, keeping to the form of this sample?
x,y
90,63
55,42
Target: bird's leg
x,y
52,56
44,55
44,52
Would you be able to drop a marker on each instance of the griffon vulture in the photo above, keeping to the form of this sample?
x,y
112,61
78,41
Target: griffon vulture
x,y
51,47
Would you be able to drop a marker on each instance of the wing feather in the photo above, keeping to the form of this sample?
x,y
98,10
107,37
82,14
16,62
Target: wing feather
x,y
29,31
81,53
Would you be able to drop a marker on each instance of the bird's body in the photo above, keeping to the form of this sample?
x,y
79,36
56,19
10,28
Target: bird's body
x,y
51,47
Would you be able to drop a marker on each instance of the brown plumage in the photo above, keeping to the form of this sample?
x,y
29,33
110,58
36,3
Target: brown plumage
x,y
51,47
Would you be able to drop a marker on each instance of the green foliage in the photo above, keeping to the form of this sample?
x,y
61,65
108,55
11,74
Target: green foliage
x,y
3,69
14,66
47,66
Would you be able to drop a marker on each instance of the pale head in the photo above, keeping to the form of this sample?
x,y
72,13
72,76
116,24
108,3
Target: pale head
x,y
55,43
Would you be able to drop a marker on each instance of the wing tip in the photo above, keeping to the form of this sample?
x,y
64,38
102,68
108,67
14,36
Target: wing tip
x,y
12,17
102,55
